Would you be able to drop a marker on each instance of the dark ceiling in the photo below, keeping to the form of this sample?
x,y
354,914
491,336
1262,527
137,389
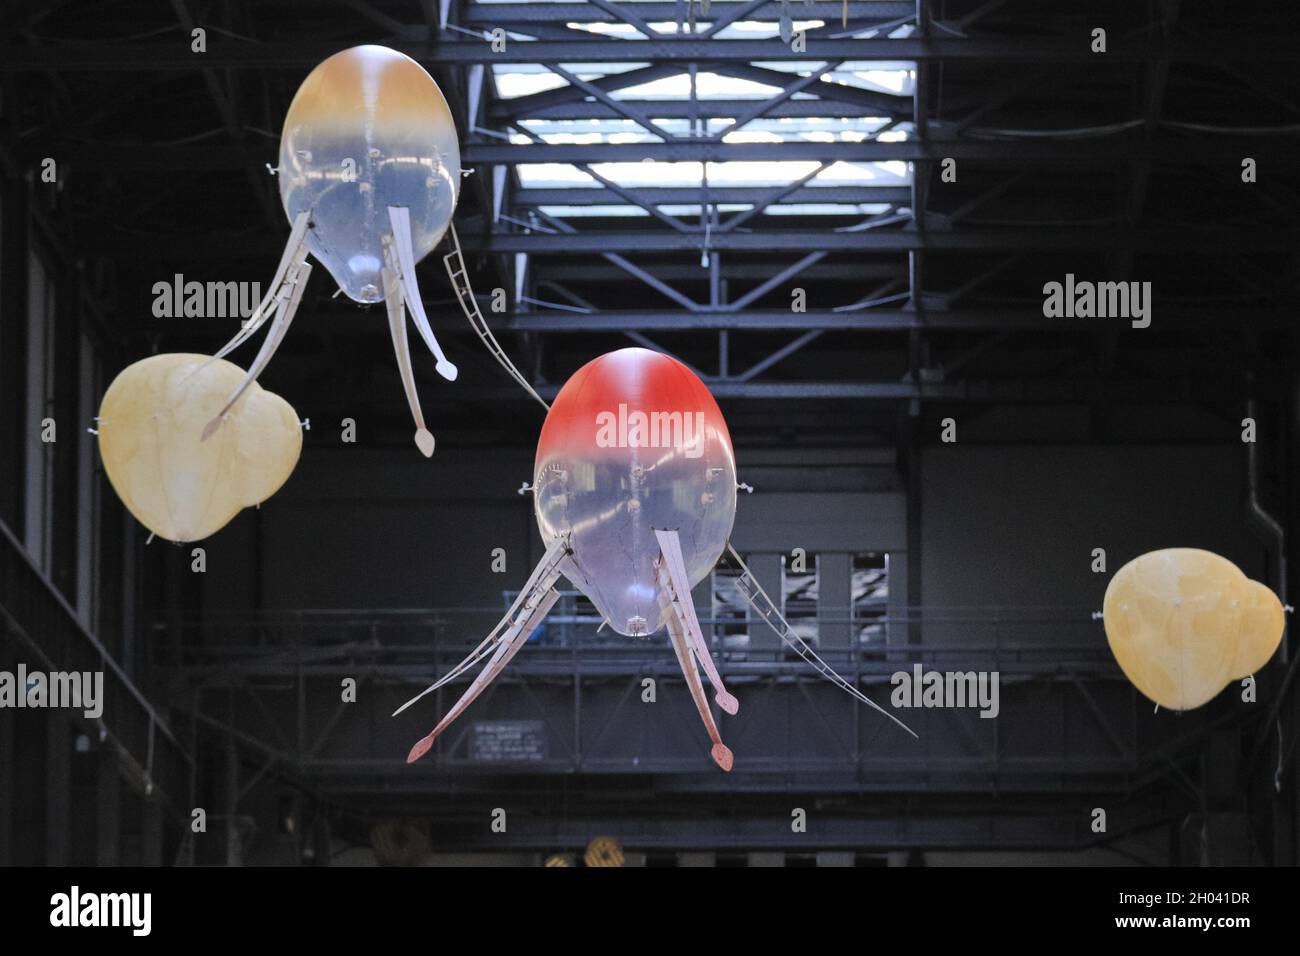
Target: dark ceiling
x,y
1123,166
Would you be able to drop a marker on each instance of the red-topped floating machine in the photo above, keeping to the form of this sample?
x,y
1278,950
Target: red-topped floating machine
x,y
634,489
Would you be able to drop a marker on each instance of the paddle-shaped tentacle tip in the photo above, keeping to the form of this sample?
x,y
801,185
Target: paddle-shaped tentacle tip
x,y
721,755
420,749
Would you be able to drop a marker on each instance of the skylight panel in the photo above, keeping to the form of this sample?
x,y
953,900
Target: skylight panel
x,y
892,78
511,84
828,209
524,79
626,30
708,86
696,210
689,174
552,175
594,121
762,29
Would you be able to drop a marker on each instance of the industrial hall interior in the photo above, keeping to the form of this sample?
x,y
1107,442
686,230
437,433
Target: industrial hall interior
x,y
649,433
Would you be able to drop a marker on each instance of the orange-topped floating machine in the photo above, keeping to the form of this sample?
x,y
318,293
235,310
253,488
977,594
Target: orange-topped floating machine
x,y
369,178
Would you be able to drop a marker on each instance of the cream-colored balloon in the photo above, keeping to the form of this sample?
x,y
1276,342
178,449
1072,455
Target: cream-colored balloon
x,y
1260,629
179,487
1172,620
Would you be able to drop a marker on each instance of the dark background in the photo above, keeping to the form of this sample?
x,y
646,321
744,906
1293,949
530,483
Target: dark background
x,y
374,563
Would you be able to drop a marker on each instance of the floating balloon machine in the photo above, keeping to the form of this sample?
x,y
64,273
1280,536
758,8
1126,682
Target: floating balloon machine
x,y
369,176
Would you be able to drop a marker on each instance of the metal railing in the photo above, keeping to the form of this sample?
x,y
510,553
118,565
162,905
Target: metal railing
x,y
42,622
276,675
1029,641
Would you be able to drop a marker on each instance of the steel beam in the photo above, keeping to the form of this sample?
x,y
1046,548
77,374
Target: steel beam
x,y
526,105
631,111
171,56
1066,153
1208,241
486,16
1146,391
890,105
185,160
1005,831
763,288
731,268
773,198
682,109
719,195
764,107
896,240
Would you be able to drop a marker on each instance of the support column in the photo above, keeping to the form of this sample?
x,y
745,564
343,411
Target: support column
x,y
899,584
8,738
151,833
767,570
1287,849
108,809
915,516
234,851
916,285
36,453
130,594
834,600
58,781
13,352
87,576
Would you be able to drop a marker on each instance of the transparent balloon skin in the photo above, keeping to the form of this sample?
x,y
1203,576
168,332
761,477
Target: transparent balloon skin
x,y
609,501
368,129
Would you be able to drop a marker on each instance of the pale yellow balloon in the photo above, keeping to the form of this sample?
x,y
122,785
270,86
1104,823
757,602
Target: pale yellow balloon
x,y
1260,629
177,486
1172,620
